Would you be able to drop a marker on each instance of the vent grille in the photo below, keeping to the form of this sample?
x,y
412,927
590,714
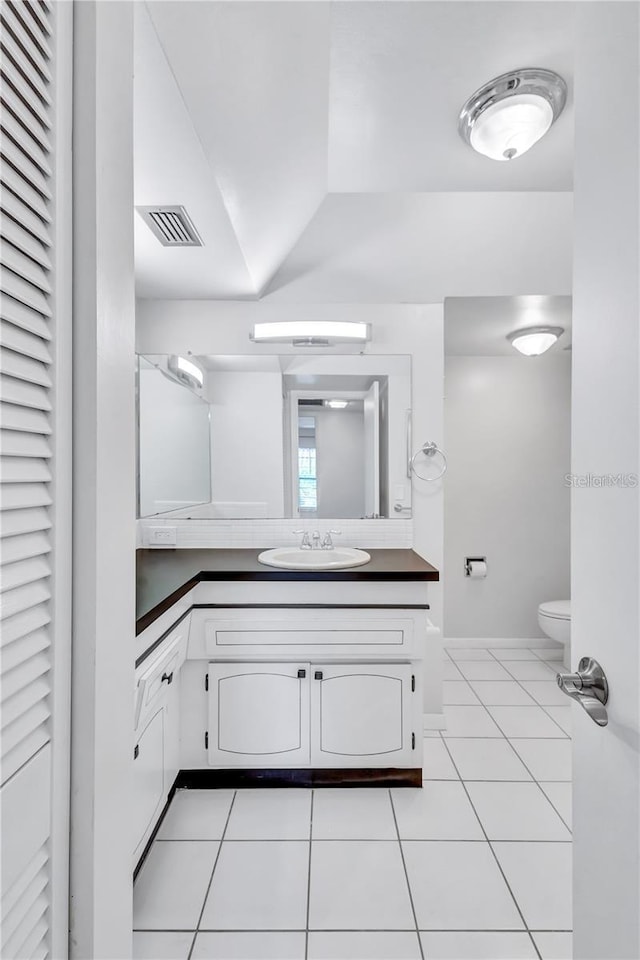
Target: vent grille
x,y
171,225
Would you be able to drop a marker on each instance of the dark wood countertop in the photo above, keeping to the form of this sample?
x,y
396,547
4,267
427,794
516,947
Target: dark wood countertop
x,y
163,576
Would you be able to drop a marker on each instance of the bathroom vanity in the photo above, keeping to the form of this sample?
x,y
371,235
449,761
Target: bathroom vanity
x,y
250,674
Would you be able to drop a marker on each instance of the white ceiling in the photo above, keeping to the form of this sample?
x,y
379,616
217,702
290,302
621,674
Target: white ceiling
x,y
478,326
314,146
400,73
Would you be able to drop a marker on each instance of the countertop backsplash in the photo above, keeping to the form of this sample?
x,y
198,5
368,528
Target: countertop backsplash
x,y
380,534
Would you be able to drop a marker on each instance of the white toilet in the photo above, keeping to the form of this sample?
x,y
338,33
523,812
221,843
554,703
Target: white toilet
x,y
554,619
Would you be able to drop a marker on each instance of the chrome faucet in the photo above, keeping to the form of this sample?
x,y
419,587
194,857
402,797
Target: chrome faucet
x,y
327,543
306,542
316,539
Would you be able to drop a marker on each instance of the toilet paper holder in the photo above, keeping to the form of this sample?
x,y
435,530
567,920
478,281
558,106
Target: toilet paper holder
x,y
468,561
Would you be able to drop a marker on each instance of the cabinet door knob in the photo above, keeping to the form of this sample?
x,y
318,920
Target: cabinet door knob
x,y
167,676
301,674
318,674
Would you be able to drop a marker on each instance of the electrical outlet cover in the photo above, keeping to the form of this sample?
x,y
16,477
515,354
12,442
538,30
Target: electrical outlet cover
x,y
162,536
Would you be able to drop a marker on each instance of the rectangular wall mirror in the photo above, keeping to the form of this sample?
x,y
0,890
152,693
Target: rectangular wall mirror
x,y
174,438
308,437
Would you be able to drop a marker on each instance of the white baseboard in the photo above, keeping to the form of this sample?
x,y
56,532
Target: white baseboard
x,y
434,721
498,643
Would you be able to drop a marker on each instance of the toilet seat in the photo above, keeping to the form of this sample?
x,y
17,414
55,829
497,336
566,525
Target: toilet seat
x,y
556,609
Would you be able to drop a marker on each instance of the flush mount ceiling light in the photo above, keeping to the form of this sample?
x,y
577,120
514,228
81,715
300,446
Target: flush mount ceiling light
x,y
337,404
311,333
532,341
505,117
186,370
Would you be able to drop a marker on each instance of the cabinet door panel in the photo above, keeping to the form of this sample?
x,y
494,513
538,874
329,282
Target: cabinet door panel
x,y
258,714
148,778
361,715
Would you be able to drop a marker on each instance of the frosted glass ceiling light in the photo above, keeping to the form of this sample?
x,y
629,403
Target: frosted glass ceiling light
x,y
505,117
532,341
311,333
337,404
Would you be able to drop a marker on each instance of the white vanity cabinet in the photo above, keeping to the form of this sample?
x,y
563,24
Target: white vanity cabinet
x,y
364,714
156,754
258,714
312,685
279,715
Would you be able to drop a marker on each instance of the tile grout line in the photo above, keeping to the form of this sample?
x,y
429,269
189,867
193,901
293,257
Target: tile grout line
x,y
535,779
495,857
215,864
406,875
306,932
566,735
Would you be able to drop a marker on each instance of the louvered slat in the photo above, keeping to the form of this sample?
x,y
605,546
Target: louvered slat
x,y
21,341
22,316
24,394
27,169
25,292
19,496
15,444
17,365
23,470
24,266
30,621
31,421
25,242
23,572
12,897
13,207
13,654
35,690
17,61
18,522
20,599
16,123
26,889
11,180
26,107
22,12
37,12
37,57
18,944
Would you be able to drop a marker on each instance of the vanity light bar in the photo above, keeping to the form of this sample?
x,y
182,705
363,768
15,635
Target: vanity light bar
x,y
186,370
311,332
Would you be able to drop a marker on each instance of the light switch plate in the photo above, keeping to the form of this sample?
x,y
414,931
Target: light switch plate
x,y
162,536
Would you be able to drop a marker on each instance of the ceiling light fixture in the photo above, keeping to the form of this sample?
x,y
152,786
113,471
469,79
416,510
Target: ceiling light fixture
x,y
532,341
337,404
508,115
311,333
186,370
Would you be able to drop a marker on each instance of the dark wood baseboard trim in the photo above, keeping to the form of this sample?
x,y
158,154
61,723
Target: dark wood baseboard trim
x,y
143,855
315,777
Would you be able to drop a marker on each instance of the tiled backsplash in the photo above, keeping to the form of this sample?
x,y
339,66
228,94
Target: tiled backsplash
x,y
276,533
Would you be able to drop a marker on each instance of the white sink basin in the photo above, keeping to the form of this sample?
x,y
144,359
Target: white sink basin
x,y
293,558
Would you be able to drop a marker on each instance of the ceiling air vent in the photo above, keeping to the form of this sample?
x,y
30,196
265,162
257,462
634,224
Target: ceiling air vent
x,y
171,225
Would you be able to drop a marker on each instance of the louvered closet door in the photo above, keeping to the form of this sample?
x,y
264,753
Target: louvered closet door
x,y
27,326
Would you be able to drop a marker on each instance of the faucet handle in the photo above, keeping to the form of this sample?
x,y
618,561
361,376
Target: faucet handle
x,y
327,543
306,542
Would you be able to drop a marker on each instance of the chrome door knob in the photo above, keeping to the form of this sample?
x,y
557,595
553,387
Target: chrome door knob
x,y
589,687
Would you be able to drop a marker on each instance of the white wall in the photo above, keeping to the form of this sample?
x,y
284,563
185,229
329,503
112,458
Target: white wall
x,y
340,462
507,437
247,444
216,327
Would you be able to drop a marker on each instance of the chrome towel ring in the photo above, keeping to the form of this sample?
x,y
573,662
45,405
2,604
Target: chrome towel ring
x,y
428,449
